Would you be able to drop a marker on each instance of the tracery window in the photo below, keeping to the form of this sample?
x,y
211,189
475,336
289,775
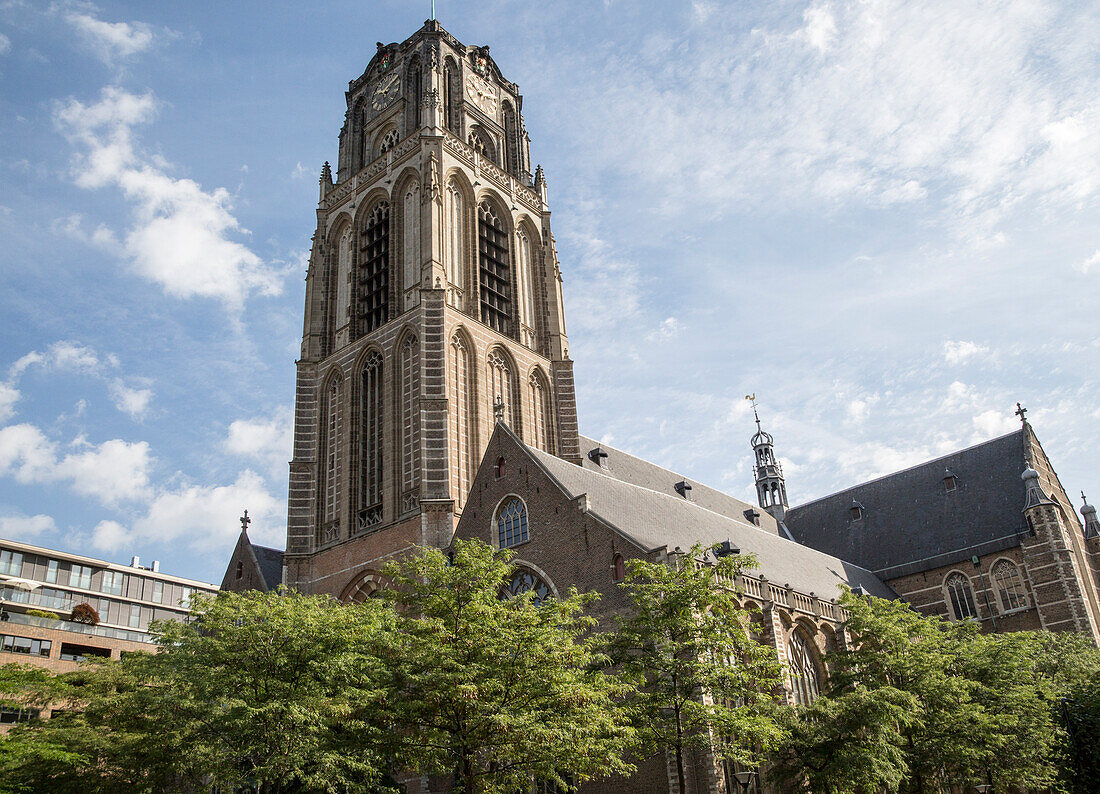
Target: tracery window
x,y
389,141
511,133
455,213
525,287
329,515
540,413
500,386
462,418
410,422
370,443
804,679
960,596
343,277
512,523
524,580
374,274
495,280
1009,586
450,116
411,237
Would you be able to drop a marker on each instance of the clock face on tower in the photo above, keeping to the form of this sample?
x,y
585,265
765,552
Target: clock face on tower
x,y
385,92
481,93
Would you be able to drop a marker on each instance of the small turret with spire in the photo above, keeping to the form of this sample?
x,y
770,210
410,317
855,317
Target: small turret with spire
x,y
325,180
771,488
1088,512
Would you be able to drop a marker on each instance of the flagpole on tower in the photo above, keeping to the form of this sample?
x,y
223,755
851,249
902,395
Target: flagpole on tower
x,y
433,9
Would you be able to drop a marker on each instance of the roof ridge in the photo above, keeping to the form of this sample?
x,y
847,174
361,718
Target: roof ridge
x,y
906,469
694,480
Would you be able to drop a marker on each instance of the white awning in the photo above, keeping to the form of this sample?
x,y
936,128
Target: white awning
x,y
22,584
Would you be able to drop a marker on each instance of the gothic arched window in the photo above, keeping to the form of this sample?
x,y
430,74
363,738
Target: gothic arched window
x,y
410,422
343,277
389,140
960,597
540,413
805,684
495,280
618,567
455,225
370,443
512,523
525,284
411,235
331,463
462,416
524,581
500,386
450,111
1009,585
374,273
415,92
511,135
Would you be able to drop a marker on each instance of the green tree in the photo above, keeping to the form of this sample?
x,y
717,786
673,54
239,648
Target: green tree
x,y
270,691
703,681
491,690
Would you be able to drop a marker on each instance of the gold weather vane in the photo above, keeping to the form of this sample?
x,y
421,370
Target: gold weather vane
x,y
752,398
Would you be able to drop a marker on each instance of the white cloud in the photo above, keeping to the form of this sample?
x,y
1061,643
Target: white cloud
x,y
65,355
9,396
958,352
990,424
111,472
133,402
269,440
820,28
1088,264
180,238
110,536
112,41
20,526
299,172
5,44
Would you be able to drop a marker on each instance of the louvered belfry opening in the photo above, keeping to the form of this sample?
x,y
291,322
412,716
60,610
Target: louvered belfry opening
x,y
495,282
374,275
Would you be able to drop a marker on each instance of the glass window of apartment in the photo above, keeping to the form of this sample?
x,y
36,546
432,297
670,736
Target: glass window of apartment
x,y
185,597
112,582
26,645
81,576
135,616
158,592
11,563
51,571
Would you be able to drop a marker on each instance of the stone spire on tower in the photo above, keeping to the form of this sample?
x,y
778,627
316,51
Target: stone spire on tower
x,y
771,489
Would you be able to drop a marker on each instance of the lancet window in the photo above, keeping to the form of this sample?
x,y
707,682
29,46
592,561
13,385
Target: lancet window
x,y
343,277
540,413
500,387
411,237
960,596
1009,585
512,523
805,684
526,287
370,443
410,422
495,280
331,450
462,418
374,273
455,226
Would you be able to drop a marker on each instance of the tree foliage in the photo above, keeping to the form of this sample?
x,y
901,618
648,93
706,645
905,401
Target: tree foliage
x,y
702,680
936,704
496,691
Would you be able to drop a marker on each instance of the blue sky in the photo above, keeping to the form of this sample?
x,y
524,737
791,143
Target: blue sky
x,y
881,217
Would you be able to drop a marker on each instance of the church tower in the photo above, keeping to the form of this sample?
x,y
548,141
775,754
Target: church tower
x,y
433,293
771,489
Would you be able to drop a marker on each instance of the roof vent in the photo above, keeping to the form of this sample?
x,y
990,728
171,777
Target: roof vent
x,y
598,456
682,488
156,566
858,590
950,480
857,510
725,549
752,515
135,561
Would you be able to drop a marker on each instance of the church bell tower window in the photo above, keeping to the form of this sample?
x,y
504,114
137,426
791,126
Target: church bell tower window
x,y
374,274
495,281
370,447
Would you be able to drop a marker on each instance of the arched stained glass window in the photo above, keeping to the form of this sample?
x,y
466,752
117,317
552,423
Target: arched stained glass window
x,y
512,523
1009,586
804,680
455,251
330,527
524,580
960,596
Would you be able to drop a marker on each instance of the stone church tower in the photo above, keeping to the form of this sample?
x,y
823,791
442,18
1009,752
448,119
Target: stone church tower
x,y
433,307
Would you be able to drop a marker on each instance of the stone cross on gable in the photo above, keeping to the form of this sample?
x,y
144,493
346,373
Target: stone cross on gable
x,y
1021,412
498,409
245,521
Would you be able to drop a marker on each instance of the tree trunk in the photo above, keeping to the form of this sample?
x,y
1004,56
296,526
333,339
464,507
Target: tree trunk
x,y
681,778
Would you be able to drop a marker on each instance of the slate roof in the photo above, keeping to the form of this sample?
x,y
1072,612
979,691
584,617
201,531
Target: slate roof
x,y
912,523
652,519
270,562
636,471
